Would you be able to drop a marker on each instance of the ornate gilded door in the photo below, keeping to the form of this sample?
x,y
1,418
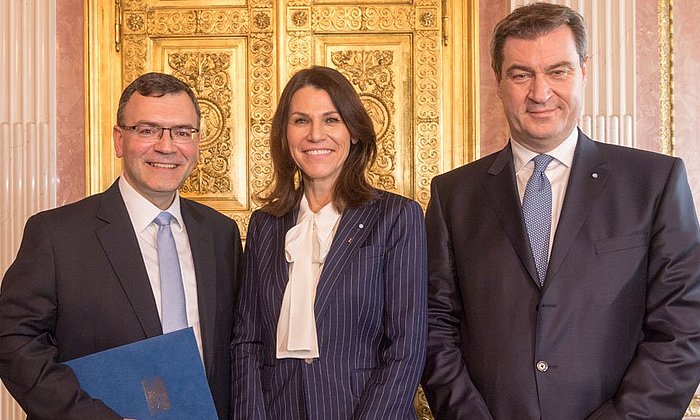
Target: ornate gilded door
x,y
410,61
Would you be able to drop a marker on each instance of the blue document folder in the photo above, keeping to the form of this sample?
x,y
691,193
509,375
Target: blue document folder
x,y
158,378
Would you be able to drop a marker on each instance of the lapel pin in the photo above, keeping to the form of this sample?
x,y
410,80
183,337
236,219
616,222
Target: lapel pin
x,y
595,175
350,240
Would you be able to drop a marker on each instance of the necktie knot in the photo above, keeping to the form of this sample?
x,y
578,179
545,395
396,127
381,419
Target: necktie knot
x,y
541,163
163,219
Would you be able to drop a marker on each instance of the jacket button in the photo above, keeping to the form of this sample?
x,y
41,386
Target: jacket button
x,y
542,366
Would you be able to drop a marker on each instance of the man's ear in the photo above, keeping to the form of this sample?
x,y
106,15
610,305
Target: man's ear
x,y
118,138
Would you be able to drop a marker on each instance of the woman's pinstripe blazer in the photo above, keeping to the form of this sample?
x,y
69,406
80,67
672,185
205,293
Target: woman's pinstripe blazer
x,y
370,315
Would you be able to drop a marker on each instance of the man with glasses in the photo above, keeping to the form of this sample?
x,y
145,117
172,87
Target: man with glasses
x,y
90,276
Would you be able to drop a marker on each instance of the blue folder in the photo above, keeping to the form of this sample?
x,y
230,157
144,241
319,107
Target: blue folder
x,y
158,378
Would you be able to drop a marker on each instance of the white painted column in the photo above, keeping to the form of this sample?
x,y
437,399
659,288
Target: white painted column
x,y
609,106
27,128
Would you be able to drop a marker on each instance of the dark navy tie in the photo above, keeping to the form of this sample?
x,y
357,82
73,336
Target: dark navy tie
x,y
537,211
172,292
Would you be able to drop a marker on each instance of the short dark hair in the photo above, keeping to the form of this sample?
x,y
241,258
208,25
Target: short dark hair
x,y
533,21
157,85
352,189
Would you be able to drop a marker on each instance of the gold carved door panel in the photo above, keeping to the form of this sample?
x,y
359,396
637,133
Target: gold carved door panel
x,y
409,60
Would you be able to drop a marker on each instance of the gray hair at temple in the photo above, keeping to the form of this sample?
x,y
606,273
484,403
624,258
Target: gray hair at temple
x,y
533,21
156,85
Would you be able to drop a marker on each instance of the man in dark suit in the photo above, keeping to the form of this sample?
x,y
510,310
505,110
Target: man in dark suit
x,y
568,286
87,276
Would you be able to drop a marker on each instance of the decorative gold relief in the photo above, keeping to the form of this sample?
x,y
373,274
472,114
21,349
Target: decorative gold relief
x,y
371,73
262,20
167,22
387,18
179,22
135,23
134,57
694,407
298,51
336,19
223,22
427,109
427,18
207,74
261,99
299,18
666,128
133,4
370,18
421,405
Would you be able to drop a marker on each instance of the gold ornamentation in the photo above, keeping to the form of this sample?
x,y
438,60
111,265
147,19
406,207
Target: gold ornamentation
x,y
387,19
207,74
694,407
336,19
229,21
134,61
133,4
420,403
426,105
666,128
427,19
299,18
261,99
370,18
169,22
298,51
135,22
371,73
262,20
223,21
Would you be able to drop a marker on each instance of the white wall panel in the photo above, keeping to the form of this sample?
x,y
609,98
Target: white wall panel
x,y
27,128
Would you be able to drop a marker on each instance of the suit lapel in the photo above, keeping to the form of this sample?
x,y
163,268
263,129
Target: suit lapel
x,y
355,225
501,188
204,258
587,180
280,273
119,242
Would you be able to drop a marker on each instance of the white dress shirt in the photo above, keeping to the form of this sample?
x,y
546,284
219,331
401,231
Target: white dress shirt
x,y
557,172
142,213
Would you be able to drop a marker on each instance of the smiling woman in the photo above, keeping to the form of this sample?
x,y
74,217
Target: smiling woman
x,y
331,320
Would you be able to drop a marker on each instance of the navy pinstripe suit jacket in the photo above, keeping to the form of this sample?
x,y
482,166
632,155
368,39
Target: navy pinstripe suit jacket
x,y
370,316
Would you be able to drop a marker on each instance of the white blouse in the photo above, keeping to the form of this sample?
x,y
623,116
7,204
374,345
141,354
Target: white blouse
x,y
306,246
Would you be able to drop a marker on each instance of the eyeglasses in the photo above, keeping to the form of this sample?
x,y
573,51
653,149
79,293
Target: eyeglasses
x,y
151,133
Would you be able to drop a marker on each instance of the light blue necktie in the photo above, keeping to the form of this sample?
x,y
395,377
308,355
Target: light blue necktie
x,y
537,211
172,292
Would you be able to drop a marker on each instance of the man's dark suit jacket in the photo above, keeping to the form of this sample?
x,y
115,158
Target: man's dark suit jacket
x,y
370,317
614,332
79,286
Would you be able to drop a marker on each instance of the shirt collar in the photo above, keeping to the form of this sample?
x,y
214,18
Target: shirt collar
x,y
564,153
142,212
